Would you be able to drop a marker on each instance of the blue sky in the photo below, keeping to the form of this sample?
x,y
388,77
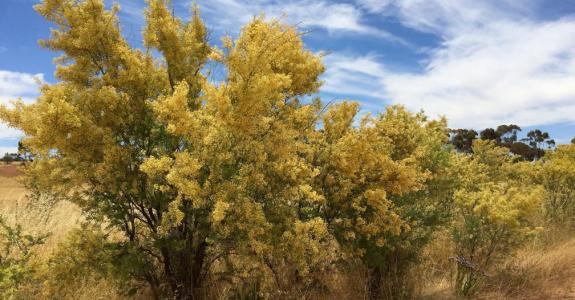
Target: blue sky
x,y
480,63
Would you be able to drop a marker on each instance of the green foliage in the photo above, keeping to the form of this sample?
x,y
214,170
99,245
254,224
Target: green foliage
x,y
8,158
529,149
90,255
462,139
15,254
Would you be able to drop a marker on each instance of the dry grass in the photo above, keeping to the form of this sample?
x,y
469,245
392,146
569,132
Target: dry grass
x,y
544,269
537,272
16,209
58,222
434,274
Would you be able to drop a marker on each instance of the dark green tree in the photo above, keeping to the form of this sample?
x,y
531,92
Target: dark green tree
x,y
530,148
490,134
526,152
7,159
462,139
24,152
537,139
507,133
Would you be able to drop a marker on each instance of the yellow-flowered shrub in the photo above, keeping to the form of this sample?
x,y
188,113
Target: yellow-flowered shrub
x,y
494,210
386,188
557,175
243,182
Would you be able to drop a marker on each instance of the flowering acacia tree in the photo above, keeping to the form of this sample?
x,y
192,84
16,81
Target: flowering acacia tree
x,y
557,175
495,206
386,188
238,181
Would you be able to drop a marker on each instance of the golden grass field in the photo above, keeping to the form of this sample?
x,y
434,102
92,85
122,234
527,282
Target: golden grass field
x,y
58,222
15,208
535,272
541,270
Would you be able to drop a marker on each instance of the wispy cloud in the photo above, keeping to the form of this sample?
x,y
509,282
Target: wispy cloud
x,y
14,85
335,18
354,75
447,17
228,16
509,72
132,11
496,65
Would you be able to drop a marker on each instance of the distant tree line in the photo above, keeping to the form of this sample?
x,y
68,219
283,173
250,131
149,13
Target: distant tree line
x,y
23,154
8,158
530,148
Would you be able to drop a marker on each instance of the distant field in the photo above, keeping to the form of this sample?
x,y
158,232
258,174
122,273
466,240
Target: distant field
x,y
15,208
11,192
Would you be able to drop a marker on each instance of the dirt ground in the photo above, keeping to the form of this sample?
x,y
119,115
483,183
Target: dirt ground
x,y
10,171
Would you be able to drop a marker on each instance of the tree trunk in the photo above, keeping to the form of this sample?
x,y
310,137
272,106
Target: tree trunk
x,y
375,286
184,269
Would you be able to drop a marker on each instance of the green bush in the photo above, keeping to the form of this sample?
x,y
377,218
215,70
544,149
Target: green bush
x,y
15,253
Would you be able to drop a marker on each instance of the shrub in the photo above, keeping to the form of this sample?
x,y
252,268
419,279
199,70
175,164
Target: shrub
x,y
242,184
557,175
7,158
493,213
86,257
15,254
385,187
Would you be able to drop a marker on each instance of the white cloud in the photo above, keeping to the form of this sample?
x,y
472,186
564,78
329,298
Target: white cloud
x,y
494,65
336,18
4,150
446,17
229,16
375,6
508,72
353,75
14,85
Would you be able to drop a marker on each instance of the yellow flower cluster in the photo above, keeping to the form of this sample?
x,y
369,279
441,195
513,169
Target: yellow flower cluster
x,y
494,211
